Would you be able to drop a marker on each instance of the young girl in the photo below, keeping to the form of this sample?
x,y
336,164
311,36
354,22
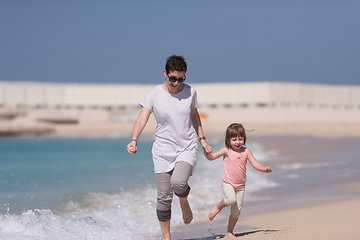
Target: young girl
x,y
235,156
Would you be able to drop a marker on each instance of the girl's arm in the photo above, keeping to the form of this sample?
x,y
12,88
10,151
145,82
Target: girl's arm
x,y
195,118
215,155
256,164
138,128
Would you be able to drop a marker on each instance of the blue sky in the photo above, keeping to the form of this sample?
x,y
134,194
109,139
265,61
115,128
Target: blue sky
x,y
310,41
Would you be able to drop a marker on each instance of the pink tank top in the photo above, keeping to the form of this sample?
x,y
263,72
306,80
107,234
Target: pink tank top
x,y
235,169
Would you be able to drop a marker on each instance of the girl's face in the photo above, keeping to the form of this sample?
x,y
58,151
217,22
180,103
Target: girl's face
x,y
236,143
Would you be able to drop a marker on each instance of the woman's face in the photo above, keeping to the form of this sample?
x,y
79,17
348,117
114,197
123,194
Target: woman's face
x,y
174,87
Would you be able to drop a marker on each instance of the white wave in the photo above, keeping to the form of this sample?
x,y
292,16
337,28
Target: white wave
x,y
259,153
298,166
100,216
291,176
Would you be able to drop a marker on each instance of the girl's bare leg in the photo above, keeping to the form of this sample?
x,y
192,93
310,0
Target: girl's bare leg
x,y
231,225
186,210
216,209
165,229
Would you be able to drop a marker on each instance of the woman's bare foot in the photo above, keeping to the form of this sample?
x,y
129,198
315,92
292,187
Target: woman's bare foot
x,y
166,237
186,210
214,212
230,235
165,230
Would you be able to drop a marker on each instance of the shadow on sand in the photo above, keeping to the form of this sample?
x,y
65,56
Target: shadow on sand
x,y
241,234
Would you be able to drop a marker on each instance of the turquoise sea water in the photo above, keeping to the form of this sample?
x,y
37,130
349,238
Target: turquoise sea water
x,y
44,172
69,188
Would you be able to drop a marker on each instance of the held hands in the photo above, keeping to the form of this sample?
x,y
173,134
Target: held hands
x,y
207,148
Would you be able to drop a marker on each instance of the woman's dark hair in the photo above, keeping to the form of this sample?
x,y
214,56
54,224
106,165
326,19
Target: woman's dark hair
x,y
175,63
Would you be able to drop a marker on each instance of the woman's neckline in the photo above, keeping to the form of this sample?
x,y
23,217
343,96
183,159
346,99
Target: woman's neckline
x,y
162,87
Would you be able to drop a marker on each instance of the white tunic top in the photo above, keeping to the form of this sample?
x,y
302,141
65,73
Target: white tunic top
x,y
176,138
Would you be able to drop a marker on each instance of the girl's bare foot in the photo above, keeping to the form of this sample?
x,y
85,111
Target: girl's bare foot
x,y
186,210
230,235
214,212
216,209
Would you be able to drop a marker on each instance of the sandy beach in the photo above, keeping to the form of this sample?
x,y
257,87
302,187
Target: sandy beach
x,y
327,220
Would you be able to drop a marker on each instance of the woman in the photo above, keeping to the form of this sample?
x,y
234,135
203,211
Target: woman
x,y
178,130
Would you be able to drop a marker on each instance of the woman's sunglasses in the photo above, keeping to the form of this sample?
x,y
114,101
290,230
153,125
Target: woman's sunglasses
x,y
174,79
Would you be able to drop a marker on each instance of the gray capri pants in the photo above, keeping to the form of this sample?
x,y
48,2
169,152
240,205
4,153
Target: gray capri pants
x,y
174,181
233,197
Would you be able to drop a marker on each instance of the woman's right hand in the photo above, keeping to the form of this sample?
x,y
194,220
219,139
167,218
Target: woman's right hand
x,y
131,147
138,127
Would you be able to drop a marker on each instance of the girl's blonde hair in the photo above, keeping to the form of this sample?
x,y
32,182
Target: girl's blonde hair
x,y
234,130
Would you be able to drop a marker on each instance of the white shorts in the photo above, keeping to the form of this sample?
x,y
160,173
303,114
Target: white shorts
x,y
233,197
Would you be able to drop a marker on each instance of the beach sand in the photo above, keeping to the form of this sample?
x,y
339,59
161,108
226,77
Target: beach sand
x,y
317,129
327,220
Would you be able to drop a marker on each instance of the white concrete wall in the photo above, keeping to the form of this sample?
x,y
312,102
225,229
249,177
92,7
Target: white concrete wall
x,y
233,93
220,94
67,95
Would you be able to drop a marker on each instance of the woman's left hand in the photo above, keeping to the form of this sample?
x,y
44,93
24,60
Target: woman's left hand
x,y
207,148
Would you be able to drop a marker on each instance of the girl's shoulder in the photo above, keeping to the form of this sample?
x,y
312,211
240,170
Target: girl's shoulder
x,y
247,151
226,151
223,151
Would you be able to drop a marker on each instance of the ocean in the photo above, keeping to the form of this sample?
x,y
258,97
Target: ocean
x,y
91,188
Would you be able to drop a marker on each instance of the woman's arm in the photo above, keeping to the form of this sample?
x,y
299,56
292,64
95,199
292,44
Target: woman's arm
x,y
256,164
138,128
195,118
215,155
